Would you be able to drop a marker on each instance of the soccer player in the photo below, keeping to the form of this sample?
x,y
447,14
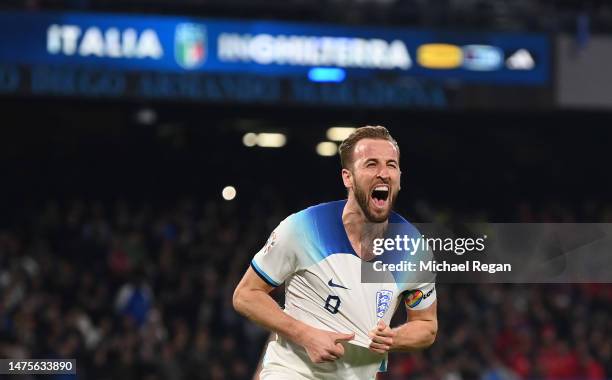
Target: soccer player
x,y
334,325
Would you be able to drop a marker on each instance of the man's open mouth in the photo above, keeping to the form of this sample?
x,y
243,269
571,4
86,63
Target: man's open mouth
x,y
380,195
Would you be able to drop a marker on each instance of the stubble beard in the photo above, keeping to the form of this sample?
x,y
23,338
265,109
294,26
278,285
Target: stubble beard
x,y
363,198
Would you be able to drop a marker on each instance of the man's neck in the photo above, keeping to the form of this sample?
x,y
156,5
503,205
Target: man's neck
x,y
354,221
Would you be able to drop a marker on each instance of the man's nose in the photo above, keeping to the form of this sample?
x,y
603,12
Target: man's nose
x,y
383,173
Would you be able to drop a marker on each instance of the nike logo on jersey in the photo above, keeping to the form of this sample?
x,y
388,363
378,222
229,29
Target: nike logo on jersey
x,y
331,284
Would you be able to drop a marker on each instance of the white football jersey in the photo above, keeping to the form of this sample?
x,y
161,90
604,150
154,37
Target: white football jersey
x,y
310,252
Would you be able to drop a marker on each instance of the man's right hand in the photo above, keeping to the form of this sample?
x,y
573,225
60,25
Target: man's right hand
x,y
252,299
324,346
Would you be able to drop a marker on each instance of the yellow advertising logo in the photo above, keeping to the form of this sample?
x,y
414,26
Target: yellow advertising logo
x,y
439,56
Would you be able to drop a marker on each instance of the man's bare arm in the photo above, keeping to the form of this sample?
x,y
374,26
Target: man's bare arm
x,y
252,299
419,331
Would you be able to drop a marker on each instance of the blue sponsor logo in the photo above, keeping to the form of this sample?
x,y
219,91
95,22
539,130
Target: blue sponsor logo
x,y
383,302
482,57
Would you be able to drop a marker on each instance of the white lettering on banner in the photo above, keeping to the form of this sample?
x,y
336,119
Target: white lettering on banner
x,y
92,43
110,43
266,49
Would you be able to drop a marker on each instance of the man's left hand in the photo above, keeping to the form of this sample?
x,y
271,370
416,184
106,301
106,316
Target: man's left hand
x,y
382,338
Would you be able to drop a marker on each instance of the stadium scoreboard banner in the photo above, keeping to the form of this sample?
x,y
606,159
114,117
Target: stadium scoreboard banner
x,y
104,55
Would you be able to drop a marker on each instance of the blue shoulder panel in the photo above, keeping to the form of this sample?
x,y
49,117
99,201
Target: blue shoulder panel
x,y
323,228
324,232
400,226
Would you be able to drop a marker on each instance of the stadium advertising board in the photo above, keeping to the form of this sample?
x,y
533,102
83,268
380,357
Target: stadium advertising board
x,y
204,59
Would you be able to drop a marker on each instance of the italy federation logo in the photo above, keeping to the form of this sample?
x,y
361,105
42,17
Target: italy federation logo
x,y
383,302
190,45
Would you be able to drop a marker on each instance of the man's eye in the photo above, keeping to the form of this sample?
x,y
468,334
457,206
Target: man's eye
x,y
392,166
370,164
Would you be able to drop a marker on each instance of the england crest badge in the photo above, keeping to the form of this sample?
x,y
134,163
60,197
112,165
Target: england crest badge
x,y
383,302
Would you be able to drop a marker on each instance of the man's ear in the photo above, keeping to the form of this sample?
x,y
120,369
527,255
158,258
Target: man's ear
x,y
400,180
347,178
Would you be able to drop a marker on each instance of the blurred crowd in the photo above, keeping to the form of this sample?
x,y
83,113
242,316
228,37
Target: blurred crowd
x,y
508,332
142,291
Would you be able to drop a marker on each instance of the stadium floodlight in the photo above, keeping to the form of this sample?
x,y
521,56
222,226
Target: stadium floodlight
x,y
249,139
271,140
146,116
327,148
339,133
228,193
